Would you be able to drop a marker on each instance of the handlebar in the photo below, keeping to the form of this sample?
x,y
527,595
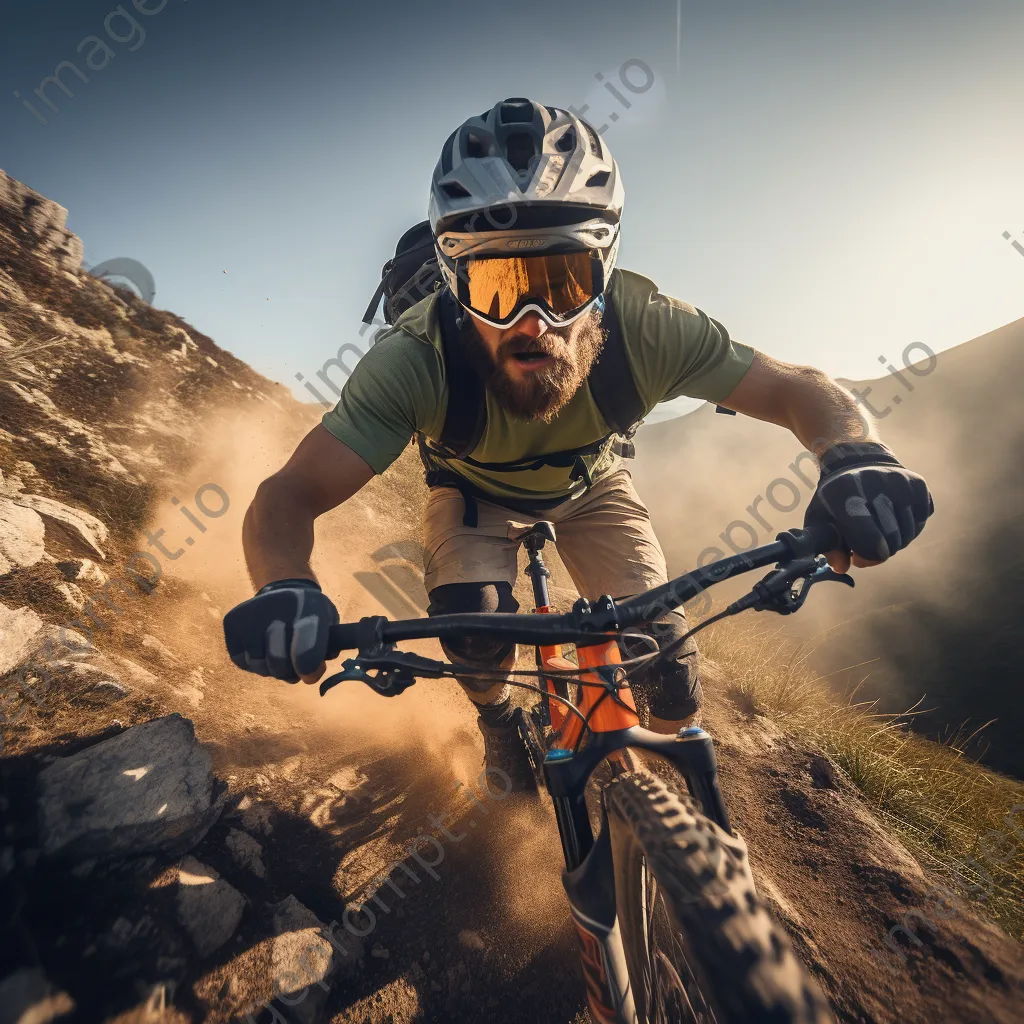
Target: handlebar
x,y
587,623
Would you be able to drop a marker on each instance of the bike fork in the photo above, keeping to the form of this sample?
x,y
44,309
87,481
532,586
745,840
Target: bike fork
x,y
604,971
590,889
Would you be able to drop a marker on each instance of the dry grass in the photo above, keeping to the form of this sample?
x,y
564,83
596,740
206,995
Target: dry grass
x,y
951,812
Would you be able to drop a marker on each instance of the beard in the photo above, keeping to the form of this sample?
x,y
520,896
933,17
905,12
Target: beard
x,y
543,393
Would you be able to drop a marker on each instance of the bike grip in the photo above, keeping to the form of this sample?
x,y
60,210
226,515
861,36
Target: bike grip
x,y
826,537
343,637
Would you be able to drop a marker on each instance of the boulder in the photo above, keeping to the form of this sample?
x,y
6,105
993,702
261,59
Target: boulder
x,y
149,789
79,524
209,909
27,997
21,536
44,220
302,961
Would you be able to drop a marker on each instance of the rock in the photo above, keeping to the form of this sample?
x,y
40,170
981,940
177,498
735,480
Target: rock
x,y
302,960
106,692
27,997
72,594
82,570
472,940
824,773
21,536
148,789
136,672
246,852
44,220
209,908
21,632
254,815
162,653
79,524
347,780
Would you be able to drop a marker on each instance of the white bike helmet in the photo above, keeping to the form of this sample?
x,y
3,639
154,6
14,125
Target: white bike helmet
x,y
524,209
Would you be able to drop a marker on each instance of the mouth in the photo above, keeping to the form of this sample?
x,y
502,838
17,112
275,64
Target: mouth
x,y
532,360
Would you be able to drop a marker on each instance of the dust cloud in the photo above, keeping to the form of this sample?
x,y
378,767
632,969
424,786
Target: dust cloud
x,y
941,622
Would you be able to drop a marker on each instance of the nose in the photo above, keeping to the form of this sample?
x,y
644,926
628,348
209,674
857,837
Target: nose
x,y
533,325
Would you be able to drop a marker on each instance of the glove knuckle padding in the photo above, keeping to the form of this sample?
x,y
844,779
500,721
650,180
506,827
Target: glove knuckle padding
x,y
877,504
282,633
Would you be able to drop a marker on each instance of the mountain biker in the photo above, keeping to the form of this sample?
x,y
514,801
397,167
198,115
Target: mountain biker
x,y
524,212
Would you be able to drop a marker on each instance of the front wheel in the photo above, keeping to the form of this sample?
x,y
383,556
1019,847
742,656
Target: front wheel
x,y
700,946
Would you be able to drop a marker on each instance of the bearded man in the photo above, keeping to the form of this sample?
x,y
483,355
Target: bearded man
x,y
522,377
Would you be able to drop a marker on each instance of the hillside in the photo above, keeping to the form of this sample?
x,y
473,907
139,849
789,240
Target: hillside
x,y
941,623
181,840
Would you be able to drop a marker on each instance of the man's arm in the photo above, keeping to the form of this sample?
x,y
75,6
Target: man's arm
x,y
277,534
888,511
807,401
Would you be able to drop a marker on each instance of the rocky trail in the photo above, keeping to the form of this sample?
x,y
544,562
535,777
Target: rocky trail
x,y
181,841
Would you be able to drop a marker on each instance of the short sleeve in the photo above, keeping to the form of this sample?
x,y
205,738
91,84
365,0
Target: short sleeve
x,y
674,348
396,389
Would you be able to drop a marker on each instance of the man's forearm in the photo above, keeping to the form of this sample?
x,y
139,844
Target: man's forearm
x,y
277,535
821,413
805,400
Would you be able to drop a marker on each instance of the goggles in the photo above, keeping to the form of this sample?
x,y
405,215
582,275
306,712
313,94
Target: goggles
x,y
500,289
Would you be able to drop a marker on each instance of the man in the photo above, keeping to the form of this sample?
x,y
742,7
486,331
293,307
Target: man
x,y
525,206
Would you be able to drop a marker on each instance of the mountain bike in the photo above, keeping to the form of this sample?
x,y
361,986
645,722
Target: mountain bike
x,y
670,925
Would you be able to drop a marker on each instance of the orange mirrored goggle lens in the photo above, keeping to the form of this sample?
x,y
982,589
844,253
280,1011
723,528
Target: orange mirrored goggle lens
x,y
497,285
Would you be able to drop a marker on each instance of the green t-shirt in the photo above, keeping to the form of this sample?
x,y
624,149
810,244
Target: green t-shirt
x,y
399,388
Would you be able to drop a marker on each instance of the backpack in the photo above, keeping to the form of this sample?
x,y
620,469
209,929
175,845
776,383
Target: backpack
x,y
412,275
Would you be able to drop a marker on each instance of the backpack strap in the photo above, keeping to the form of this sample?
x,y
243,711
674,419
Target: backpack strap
x,y
466,414
612,385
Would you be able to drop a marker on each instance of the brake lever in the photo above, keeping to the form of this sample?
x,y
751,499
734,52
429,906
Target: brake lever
x,y
394,671
780,591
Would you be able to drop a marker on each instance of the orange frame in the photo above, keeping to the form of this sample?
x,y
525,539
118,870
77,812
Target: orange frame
x,y
602,714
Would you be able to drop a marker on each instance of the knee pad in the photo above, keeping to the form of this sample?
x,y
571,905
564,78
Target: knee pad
x,y
463,598
672,687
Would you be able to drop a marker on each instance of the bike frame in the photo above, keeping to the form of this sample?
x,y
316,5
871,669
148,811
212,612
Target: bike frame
x,y
613,725
611,721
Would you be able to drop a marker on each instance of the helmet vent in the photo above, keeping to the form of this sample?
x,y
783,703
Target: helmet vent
x,y
516,111
566,142
520,150
474,147
598,179
454,190
595,141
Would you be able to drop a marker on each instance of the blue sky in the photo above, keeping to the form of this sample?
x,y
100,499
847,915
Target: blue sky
x,y
831,181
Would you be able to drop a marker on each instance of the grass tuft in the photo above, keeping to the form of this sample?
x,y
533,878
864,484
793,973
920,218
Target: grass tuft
x,y
955,815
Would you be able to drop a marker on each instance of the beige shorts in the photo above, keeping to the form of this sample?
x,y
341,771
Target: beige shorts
x,y
605,540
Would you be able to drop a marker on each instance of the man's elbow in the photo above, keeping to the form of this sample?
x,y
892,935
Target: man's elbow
x,y
278,493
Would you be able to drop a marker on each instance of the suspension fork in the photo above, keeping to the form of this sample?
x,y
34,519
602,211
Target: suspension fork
x,y
589,877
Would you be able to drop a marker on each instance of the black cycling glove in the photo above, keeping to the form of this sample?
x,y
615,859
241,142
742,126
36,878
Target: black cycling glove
x,y
878,506
282,631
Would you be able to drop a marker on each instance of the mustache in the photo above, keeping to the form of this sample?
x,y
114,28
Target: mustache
x,y
549,344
